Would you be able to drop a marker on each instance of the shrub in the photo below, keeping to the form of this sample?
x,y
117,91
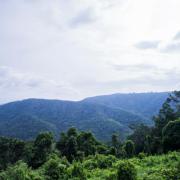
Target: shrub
x,y
112,176
142,155
105,161
90,164
171,173
126,171
100,161
20,171
77,171
53,169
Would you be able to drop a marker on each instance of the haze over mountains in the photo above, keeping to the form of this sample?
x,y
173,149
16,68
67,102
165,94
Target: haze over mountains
x,y
102,115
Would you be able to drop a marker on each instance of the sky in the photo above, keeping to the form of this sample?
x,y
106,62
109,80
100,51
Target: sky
x,y
72,49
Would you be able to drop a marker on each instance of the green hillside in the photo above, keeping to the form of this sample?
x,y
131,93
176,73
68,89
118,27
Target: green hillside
x,y
143,104
25,119
149,153
103,115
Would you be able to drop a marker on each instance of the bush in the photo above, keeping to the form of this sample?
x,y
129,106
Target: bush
x,y
105,161
20,171
171,173
112,176
90,164
126,171
77,171
53,169
100,161
142,155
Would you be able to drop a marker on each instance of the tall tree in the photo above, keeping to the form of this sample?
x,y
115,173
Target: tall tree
x,y
129,148
170,111
71,148
171,136
41,148
139,137
87,143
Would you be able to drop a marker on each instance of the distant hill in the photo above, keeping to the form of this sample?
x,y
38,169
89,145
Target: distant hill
x,y
101,115
143,104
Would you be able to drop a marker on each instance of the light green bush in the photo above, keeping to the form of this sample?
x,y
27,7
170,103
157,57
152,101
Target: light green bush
x,y
126,171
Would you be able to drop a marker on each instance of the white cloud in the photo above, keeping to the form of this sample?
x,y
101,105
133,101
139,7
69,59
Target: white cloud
x,y
16,85
75,42
147,44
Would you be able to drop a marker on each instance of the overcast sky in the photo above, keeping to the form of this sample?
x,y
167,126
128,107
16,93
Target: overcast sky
x,y
71,49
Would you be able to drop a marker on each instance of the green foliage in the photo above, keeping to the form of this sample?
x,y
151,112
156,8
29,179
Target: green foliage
x,y
170,111
87,143
171,135
20,172
25,119
129,148
126,170
77,171
165,135
11,150
115,141
54,169
92,167
141,138
71,148
99,161
141,155
76,145
79,156
72,132
42,147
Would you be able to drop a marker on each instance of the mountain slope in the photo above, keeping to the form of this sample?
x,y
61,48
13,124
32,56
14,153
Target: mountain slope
x,y
102,115
24,119
143,104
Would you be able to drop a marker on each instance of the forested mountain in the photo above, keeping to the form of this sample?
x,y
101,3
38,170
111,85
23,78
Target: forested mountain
x,y
143,104
103,115
146,154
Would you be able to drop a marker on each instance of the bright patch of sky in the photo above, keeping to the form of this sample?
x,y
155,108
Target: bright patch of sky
x,y
71,49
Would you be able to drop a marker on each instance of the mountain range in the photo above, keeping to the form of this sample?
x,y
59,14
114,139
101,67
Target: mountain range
x,y
102,115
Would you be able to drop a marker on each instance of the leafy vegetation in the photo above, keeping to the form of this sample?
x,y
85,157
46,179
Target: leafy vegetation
x,y
103,116
150,153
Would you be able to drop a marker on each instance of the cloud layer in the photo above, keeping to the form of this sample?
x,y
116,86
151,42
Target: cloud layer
x,y
78,48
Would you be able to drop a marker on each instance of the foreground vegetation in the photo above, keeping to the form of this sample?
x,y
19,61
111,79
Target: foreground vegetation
x,y
150,153
100,167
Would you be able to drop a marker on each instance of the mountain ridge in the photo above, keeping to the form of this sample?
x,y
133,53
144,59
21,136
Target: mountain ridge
x,y
26,118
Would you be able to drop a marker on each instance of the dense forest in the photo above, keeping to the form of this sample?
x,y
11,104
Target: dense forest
x,y
149,153
102,115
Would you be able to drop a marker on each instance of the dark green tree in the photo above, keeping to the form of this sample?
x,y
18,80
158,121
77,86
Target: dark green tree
x,y
147,144
170,111
87,143
11,150
72,132
129,148
165,115
139,137
115,141
61,144
42,147
71,148
171,136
